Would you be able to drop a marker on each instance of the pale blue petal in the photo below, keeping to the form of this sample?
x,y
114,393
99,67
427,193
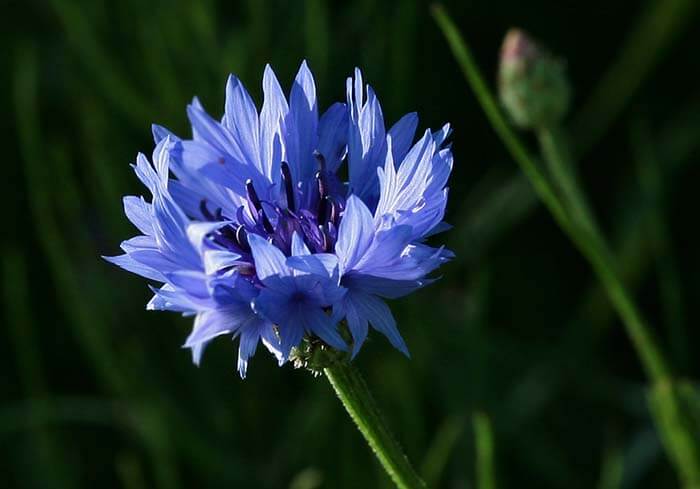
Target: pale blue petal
x,y
241,119
303,126
333,135
217,260
355,234
130,265
402,134
139,212
269,260
379,316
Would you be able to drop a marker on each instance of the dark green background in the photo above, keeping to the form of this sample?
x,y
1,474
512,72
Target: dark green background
x,y
96,392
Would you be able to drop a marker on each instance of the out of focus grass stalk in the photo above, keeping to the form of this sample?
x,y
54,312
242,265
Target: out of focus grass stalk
x,y
55,472
87,323
568,206
485,466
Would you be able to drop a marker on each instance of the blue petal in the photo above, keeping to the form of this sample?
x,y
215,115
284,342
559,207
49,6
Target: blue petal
x,y
192,282
299,248
198,231
383,287
217,260
355,234
208,130
366,140
241,119
250,334
155,260
145,172
441,135
379,315
319,323
130,265
333,135
169,298
303,122
321,264
139,212
402,134
207,326
139,243
272,125
269,260
160,133
386,249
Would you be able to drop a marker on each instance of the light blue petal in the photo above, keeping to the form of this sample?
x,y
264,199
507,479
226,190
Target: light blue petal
x,y
241,119
357,325
130,265
385,250
198,231
333,135
402,134
383,287
303,126
379,315
209,131
207,326
322,264
269,260
319,323
139,212
299,248
192,282
217,260
139,243
272,125
250,335
355,234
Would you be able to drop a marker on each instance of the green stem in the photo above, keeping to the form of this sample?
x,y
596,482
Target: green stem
x,y
358,402
488,103
586,240
570,211
557,156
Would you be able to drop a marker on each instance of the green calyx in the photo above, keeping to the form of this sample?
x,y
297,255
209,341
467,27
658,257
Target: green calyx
x,y
314,355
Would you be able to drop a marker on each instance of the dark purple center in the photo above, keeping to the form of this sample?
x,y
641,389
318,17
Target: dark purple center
x,y
313,210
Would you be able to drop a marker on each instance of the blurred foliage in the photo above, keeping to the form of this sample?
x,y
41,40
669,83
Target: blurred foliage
x,y
98,392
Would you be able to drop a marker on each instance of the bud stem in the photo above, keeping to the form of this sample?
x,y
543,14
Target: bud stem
x,y
593,246
360,405
557,155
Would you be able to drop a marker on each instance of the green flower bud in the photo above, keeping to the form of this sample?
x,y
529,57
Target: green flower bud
x,y
533,85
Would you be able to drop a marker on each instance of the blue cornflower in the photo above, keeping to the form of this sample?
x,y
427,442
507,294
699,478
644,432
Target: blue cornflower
x,y
252,230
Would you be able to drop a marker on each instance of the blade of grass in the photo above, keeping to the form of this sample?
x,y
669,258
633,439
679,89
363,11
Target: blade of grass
x,y
81,36
667,270
440,449
54,471
612,468
485,466
38,185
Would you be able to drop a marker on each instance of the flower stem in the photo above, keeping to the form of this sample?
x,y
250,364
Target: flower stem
x,y
360,405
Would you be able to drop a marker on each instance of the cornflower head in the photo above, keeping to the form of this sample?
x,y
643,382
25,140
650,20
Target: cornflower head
x,y
252,230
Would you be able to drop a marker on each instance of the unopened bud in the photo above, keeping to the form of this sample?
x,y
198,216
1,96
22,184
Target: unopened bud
x,y
533,85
